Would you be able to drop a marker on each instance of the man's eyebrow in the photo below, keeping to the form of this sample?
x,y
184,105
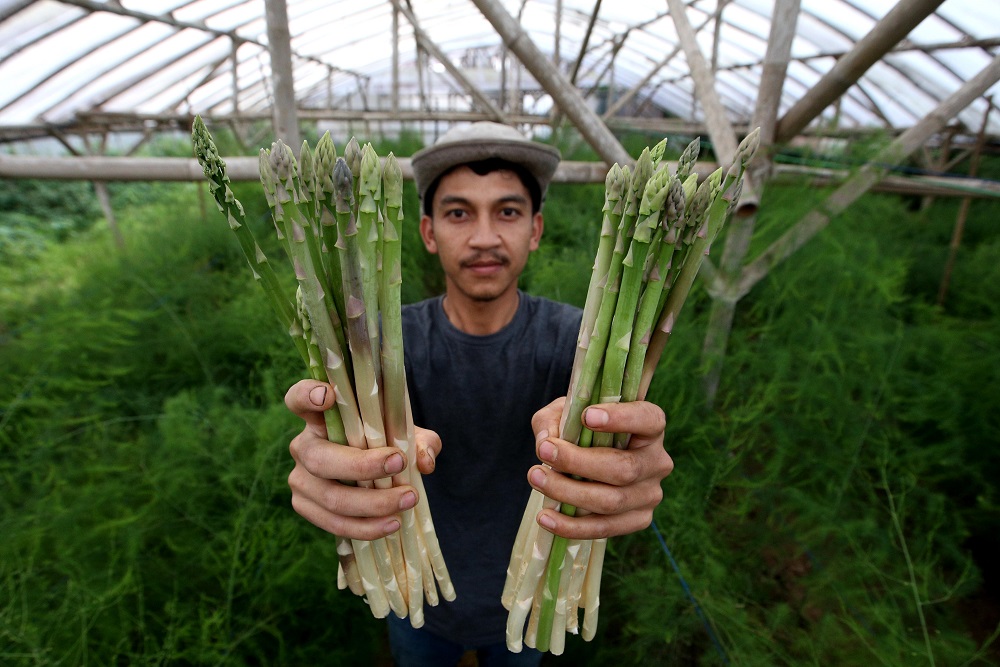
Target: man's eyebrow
x,y
514,199
453,199
447,200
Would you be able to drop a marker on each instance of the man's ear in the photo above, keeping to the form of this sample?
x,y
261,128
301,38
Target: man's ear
x,y
537,227
427,234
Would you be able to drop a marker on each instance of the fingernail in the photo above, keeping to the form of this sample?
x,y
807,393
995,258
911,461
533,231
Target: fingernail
x,y
318,395
391,526
546,522
537,477
544,433
430,457
408,500
548,452
392,464
595,417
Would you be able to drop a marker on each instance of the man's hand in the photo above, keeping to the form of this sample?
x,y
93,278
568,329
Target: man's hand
x,y
623,485
348,511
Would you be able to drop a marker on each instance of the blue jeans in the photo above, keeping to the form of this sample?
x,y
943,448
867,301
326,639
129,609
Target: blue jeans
x,y
419,648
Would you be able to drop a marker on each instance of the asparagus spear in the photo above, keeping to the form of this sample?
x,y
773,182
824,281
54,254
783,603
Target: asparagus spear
x,y
685,277
292,320
614,186
394,375
305,204
620,337
325,157
368,221
667,234
263,273
649,303
277,172
633,264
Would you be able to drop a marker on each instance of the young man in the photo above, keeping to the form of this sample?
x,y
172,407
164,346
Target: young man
x,y
486,365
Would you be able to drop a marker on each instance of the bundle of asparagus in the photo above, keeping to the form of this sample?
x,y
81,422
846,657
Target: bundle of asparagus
x,y
340,222
657,227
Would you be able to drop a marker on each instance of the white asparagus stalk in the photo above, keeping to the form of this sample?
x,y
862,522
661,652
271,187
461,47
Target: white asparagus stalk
x,y
557,642
425,522
525,532
592,588
575,589
534,568
394,375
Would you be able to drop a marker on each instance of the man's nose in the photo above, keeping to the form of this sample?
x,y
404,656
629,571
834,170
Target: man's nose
x,y
485,235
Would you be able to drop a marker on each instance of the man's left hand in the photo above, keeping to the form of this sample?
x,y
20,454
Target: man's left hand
x,y
622,486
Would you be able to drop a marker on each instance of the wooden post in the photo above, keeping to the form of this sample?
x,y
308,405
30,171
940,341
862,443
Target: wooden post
x,y
395,59
866,177
428,45
284,111
593,129
963,208
888,32
722,288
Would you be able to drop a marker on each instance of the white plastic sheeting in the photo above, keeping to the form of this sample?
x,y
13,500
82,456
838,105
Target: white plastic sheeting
x,y
63,59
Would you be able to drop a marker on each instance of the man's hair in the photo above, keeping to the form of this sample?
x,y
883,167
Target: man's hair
x,y
488,166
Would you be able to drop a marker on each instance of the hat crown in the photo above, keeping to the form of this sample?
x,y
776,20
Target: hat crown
x,y
482,131
483,140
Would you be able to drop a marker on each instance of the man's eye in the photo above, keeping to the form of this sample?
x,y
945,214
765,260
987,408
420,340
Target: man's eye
x,y
510,212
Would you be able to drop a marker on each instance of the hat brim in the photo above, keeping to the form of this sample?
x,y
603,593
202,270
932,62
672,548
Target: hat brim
x,y
432,162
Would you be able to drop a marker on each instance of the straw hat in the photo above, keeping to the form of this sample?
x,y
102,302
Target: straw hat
x,y
481,141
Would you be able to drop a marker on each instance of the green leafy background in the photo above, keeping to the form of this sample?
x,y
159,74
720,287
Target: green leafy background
x,y
837,506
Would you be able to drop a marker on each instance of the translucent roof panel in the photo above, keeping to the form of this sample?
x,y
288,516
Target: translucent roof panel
x,y
65,61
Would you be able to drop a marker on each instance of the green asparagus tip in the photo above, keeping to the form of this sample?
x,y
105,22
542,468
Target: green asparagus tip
x,y
616,182
324,158
655,192
656,152
700,202
307,169
267,178
748,147
609,179
674,206
643,170
392,181
735,199
207,153
371,176
352,155
343,186
715,178
283,166
688,158
325,145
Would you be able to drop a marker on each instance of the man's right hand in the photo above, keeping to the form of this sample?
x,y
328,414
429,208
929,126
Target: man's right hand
x,y
348,511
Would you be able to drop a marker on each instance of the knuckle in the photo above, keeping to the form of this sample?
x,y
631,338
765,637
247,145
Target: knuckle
x,y
655,497
667,466
656,415
293,481
298,504
631,469
330,499
310,457
615,502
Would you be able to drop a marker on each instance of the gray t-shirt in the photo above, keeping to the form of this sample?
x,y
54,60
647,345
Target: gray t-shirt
x,y
479,394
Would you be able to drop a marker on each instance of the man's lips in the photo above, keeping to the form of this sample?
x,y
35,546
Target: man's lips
x,y
485,264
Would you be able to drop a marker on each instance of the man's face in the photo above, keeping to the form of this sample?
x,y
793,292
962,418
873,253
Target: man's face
x,y
482,230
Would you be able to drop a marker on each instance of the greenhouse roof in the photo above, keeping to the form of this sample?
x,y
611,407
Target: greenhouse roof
x,y
69,65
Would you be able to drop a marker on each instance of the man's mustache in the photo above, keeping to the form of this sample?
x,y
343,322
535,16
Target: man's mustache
x,y
488,257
